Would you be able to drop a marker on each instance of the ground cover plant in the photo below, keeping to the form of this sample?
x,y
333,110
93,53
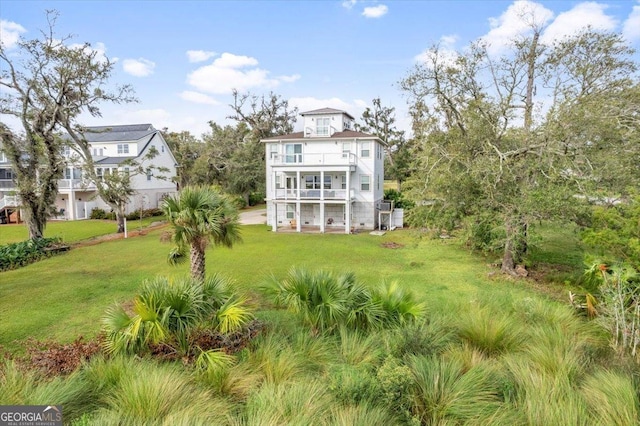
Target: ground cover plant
x,y
487,350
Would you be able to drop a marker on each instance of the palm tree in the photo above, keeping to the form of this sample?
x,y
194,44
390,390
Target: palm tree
x,y
200,216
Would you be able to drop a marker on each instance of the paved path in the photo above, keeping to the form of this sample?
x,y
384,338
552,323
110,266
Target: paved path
x,y
254,217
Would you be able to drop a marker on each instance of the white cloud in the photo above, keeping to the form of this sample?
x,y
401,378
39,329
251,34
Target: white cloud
x,y
573,21
10,33
375,11
446,52
360,103
199,98
199,55
348,4
289,78
518,20
631,28
230,72
138,67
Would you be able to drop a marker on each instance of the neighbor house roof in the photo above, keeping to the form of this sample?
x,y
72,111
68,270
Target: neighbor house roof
x,y
127,132
113,160
324,111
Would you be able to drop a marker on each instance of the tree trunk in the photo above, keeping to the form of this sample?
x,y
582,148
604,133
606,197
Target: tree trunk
x,y
34,224
508,259
120,220
197,263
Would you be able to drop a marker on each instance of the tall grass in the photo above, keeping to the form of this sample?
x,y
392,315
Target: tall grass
x,y
611,399
490,331
159,394
294,403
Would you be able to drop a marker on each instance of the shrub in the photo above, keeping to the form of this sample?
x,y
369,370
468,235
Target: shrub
x,y
354,385
16,255
170,317
422,338
98,213
398,198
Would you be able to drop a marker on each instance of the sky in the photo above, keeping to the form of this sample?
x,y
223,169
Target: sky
x,y
184,58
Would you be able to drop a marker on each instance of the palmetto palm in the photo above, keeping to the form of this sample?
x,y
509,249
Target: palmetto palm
x,y
200,216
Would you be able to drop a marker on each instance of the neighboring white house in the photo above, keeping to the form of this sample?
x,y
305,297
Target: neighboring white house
x,y
110,147
326,178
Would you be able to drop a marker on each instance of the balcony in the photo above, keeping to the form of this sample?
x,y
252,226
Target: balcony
x,y
7,184
326,159
311,194
76,184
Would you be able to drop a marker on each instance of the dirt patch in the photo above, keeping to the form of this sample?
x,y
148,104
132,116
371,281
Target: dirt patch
x,y
112,237
391,245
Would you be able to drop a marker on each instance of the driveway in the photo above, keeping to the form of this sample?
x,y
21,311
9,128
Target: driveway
x,y
254,217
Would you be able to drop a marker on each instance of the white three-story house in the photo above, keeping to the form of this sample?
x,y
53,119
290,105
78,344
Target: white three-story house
x,y
327,178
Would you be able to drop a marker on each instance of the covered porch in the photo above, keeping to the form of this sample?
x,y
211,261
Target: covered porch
x,y
312,217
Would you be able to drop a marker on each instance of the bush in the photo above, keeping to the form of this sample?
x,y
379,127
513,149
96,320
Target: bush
x,y
15,255
136,214
97,213
398,198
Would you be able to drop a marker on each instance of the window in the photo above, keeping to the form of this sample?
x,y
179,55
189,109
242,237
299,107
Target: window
x,y
291,211
322,126
123,148
126,171
327,181
273,150
67,173
312,182
346,149
365,183
148,174
278,181
162,148
77,174
66,151
365,150
293,153
343,182
99,173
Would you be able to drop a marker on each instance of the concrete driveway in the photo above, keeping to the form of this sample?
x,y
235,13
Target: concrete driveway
x,y
254,217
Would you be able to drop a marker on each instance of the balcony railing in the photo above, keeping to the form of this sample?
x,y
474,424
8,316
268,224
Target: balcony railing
x,y
9,201
326,159
7,184
75,184
311,194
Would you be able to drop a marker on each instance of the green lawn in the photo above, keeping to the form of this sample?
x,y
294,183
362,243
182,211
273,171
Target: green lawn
x,y
70,231
65,296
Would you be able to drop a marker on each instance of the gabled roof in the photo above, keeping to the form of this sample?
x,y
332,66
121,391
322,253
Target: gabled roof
x,y
113,160
325,111
127,132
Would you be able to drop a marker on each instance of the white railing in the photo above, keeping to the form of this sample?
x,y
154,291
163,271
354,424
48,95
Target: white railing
x,y
75,184
326,159
9,201
311,194
7,184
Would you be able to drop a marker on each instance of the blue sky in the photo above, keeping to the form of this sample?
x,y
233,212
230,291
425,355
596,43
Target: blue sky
x,y
184,58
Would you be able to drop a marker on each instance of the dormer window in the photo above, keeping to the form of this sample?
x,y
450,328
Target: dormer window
x,y
322,126
123,148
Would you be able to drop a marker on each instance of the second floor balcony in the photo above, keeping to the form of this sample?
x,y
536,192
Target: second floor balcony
x,y
76,184
317,159
311,194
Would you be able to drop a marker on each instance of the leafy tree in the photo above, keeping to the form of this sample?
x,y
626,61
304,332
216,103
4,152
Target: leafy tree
x,y
200,216
380,121
48,83
187,150
257,118
487,154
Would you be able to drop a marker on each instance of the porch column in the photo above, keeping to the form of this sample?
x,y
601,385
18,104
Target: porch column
x,y
298,221
322,201
274,225
298,185
71,205
347,207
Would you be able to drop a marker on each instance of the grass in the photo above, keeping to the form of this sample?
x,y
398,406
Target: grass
x,y
94,277
490,351
71,231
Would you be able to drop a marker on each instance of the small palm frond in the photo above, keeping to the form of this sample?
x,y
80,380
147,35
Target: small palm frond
x,y
177,255
233,315
214,360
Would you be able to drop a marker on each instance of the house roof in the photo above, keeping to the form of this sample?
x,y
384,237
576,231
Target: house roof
x,y
113,160
324,111
127,132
